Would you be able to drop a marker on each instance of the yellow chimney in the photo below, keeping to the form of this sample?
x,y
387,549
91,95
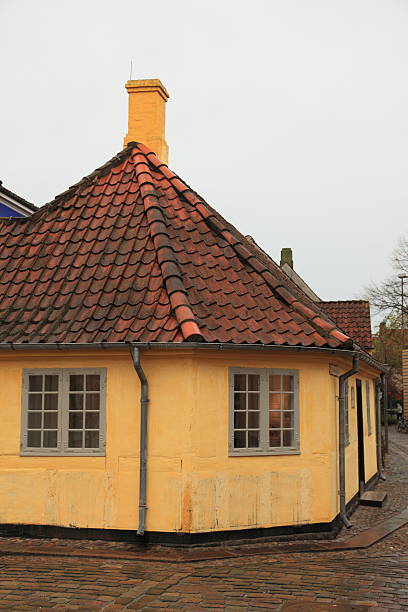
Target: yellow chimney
x,y
147,115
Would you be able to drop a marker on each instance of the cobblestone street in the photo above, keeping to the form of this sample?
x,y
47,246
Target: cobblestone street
x,y
374,578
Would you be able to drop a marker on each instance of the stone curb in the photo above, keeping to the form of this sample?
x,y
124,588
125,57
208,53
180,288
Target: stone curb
x,y
363,540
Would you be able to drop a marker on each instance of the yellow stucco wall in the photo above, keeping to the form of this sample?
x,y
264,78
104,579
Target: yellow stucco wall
x,y
193,485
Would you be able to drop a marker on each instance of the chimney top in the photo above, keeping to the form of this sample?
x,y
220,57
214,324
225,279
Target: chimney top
x,y
147,85
286,257
147,115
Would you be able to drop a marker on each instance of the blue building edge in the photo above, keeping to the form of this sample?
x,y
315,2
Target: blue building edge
x,y
13,205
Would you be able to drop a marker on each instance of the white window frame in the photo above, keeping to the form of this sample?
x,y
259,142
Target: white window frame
x,y
264,448
368,406
63,414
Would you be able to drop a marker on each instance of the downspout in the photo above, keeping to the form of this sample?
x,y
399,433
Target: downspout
x,y
144,400
342,439
378,388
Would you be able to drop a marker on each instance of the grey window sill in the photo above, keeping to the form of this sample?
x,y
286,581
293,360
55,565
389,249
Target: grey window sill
x,y
56,454
254,453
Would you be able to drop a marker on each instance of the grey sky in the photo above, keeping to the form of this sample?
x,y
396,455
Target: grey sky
x,y
289,117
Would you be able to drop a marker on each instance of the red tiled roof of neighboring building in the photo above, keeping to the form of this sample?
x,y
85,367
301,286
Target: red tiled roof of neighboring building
x,y
353,317
132,254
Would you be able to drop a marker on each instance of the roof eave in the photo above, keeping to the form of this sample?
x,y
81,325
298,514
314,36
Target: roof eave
x,y
199,345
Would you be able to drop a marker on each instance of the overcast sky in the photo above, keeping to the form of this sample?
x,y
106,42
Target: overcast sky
x,y
289,117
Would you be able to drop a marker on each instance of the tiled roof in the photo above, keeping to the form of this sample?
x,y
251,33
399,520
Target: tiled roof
x,y
132,254
353,317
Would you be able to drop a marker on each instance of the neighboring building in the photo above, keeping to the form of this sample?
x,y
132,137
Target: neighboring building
x,y
352,316
142,334
12,205
405,382
388,347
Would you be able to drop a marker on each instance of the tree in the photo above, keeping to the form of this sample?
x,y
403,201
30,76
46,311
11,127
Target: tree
x,y
385,297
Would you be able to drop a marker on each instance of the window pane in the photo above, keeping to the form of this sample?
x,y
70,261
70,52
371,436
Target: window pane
x,y
34,420
240,439
92,420
51,383
34,439
92,401
288,437
287,383
239,382
274,401
253,401
92,382
76,382
50,420
274,382
51,401
274,419
253,382
240,420
287,419
76,420
274,438
253,439
35,402
253,420
50,439
239,401
75,439
76,401
35,383
92,439
287,401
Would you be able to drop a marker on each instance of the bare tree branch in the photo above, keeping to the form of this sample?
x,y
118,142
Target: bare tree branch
x,y
385,298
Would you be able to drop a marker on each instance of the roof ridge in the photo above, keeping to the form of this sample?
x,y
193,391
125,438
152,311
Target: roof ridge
x,y
85,181
245,250
344,302
166,256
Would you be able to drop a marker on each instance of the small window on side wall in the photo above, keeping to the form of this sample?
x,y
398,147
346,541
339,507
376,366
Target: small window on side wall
x,y
347,416
264,412
63,412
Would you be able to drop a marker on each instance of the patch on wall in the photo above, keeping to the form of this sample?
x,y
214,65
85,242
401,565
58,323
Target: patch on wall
x,y
246,501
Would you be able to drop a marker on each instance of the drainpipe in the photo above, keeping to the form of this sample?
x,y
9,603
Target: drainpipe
x,y
379,429
342,439
144,400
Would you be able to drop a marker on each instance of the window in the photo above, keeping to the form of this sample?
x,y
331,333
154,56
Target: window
x,y
346,415
264,413
369,431
63,412
353,398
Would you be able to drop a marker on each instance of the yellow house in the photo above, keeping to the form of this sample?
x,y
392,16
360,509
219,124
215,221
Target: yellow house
x,y
161,377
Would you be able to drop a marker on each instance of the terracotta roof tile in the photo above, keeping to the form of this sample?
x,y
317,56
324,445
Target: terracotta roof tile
x,y
353,317
132,254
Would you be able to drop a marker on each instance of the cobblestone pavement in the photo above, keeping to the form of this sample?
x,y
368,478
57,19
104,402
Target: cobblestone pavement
x,y
376,578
